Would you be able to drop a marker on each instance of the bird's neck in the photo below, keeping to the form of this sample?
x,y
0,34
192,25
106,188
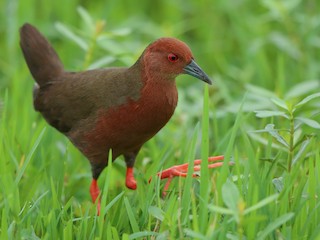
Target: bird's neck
x,y
163,90
158,90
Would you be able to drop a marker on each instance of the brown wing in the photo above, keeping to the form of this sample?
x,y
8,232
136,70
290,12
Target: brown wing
x,y
75,97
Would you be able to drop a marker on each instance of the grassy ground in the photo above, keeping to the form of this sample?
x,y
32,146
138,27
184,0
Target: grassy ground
x,y
262,112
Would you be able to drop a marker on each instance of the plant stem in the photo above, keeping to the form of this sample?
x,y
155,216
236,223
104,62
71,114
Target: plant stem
x,y
98,30
291,143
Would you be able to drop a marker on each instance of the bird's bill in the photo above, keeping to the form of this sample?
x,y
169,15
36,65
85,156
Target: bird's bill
x,y
194,70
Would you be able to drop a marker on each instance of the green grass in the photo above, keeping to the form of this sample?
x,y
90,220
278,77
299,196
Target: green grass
x,y
262,113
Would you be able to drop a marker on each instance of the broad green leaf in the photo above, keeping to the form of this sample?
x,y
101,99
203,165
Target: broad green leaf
x,y
156,212
64,30
262,203
112,46
278,183
266,113
232,236
307,99
142,235
273,132
274,225
102,62
230,195
121,32
285,44
302,88
303,147
194,235
12,229
280,103
310,122
221,210
276,7
260,91
263,140
87,19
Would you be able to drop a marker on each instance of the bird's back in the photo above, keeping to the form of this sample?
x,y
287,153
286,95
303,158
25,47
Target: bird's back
x,y
74,97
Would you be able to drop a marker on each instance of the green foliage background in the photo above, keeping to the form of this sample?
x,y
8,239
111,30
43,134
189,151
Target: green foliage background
x,y
262,112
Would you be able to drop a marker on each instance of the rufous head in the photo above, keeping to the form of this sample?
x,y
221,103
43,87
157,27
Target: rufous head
x,y
170,57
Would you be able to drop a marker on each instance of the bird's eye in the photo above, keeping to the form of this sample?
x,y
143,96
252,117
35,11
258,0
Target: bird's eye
x,y
172,57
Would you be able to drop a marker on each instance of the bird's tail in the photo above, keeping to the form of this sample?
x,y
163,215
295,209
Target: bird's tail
x,y
42,60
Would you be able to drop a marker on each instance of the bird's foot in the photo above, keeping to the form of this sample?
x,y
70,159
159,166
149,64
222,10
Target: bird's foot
x,y
94,192
130,181
182,170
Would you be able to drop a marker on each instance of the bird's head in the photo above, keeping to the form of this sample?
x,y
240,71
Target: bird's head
x,y
170,57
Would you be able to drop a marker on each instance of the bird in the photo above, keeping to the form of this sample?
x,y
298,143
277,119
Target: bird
x,y
114,109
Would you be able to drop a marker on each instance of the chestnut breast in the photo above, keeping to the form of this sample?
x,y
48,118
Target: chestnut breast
x,y
126,127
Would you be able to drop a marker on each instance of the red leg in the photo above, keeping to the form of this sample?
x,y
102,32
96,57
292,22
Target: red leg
x,y
130,181
94,192
166,187
182,170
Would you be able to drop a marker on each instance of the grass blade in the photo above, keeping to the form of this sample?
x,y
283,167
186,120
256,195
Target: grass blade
x,y
29,157
131,216
274,225
204,178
